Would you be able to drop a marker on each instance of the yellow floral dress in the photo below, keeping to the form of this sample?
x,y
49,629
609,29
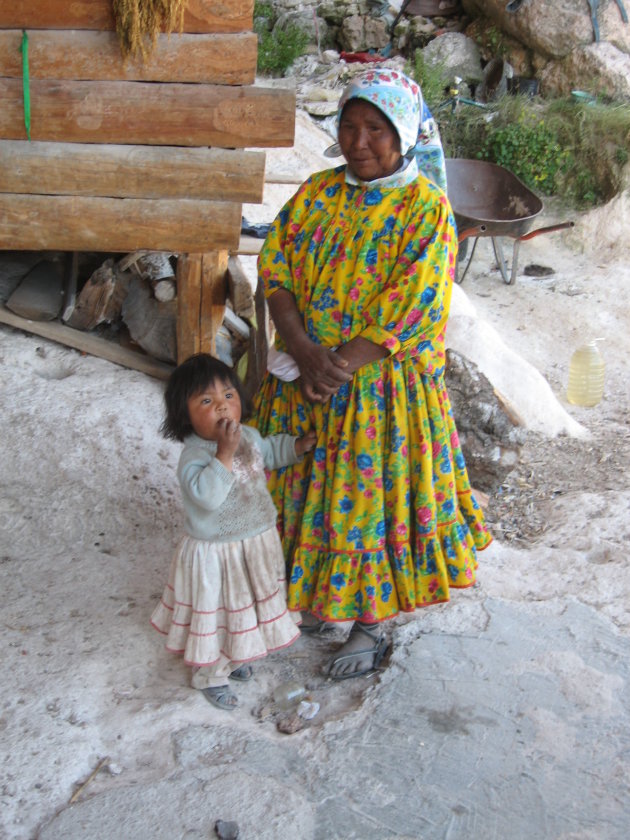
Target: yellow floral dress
x,y
379,518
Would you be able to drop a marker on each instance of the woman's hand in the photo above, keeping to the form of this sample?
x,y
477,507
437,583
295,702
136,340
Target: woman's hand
x,y
322,372
228,435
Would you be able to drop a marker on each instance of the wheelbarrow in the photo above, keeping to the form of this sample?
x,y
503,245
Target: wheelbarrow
x,y
489,200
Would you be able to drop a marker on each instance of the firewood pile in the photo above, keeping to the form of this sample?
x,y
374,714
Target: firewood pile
x,y
129,298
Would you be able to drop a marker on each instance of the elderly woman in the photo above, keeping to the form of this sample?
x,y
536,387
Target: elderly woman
x,y
358,269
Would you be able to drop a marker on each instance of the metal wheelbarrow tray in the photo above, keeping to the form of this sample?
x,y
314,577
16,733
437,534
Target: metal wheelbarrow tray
x,y
489,200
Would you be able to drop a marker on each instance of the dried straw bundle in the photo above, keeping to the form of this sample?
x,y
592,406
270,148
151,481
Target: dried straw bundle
x,y
139,22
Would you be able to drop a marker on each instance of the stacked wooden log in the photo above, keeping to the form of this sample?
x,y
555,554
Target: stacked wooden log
x,y
127,155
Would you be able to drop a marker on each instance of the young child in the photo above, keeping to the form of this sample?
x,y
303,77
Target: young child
x,y
225,601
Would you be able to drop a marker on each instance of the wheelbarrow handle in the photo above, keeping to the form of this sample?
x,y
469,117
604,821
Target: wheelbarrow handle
x,y
549,229
473,231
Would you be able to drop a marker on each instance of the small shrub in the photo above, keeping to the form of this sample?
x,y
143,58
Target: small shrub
x,y
433,79
277,49
530,149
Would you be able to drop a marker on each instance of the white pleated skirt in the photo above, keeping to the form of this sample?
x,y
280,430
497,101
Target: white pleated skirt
x,y
226,600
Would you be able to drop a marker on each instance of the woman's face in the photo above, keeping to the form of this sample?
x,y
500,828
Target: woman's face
x,y
218,401
368,141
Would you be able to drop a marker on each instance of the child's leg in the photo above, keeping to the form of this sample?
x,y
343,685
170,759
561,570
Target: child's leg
x,y
212,680
212,676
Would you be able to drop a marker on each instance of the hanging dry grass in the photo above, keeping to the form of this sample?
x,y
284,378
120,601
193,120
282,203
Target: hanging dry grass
x,y
139,22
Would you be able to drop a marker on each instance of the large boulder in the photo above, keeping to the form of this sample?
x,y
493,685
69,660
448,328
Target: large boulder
x,y
456,55
554,29
599,68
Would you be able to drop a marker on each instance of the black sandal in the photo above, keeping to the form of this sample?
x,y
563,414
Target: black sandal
x,y
379,648
243,673
221,696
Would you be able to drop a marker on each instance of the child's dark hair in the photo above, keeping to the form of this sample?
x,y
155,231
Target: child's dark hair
x,y
188,379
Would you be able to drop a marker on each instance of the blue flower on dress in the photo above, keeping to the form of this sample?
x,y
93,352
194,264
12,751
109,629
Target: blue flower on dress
x,y
459,461
371,257
331,192
380,528
319,454
364,462
373,197
386,591
428,295
346,505
296,574
355,536
278,257
318,519
448,506
431,568
283,216
453,571
326,302
338,580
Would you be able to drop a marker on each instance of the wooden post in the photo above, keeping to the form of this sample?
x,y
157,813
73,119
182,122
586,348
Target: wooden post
x,y
201,295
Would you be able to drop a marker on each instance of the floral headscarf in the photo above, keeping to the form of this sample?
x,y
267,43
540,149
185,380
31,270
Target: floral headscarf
x,y
395,95
400,99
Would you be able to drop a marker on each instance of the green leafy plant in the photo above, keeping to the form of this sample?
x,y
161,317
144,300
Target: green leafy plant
x,y
530,149
277,49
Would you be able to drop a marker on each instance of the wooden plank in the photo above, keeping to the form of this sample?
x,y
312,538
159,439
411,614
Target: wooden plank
x,y
131,171
200,16
225,59
71,223
213,297
86,343
155,114
201,295
188,279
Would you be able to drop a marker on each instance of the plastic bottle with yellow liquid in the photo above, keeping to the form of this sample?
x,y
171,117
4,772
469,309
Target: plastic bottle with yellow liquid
x,y
586,375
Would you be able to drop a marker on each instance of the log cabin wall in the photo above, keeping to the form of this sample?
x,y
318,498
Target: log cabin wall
x,y
127,155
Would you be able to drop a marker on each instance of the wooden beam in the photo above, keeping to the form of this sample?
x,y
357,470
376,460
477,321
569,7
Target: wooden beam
x,y
156,114
213,297
200,16
224,59
188,280
71,223
87,343
131,171
201,295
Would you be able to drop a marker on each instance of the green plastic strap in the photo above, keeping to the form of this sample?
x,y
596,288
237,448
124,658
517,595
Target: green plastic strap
x,y
25,85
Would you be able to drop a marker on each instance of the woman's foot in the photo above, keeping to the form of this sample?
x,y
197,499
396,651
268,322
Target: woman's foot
x,y
242,674
360,655
221,696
